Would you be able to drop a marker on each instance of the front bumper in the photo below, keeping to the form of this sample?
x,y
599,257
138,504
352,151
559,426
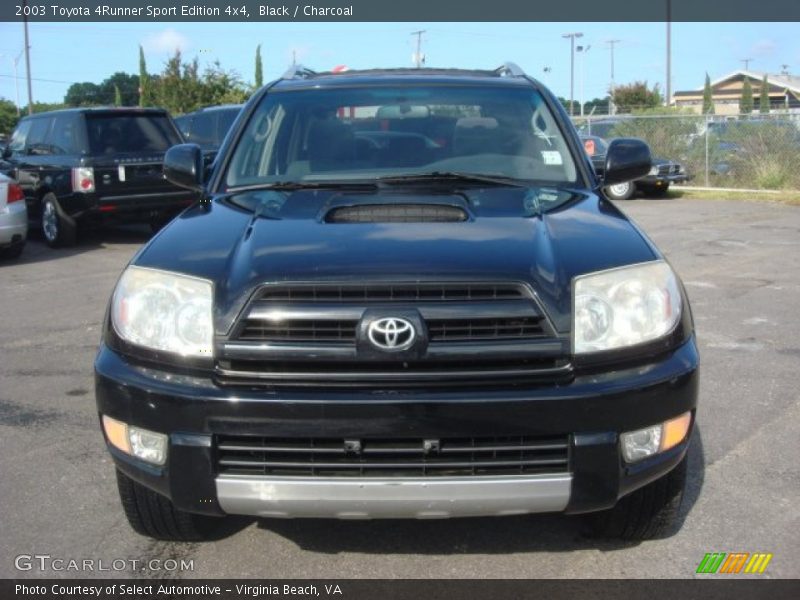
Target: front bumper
x,y
594,408
661,180
371,498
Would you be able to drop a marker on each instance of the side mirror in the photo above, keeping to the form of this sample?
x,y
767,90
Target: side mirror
x,y
626,159
183,166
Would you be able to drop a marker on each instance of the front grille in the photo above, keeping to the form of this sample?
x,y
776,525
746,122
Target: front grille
x,y
402,457
404,292
299,330
484,329
316,334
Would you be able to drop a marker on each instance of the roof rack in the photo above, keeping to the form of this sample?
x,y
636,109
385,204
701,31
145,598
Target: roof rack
x,y
298,72
509,69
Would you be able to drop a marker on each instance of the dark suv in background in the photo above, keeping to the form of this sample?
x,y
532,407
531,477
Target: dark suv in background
x,y
89,165
207,127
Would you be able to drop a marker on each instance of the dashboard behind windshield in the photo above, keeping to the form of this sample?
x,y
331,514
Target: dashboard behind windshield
x,y
367,132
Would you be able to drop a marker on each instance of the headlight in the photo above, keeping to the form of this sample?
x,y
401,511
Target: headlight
x,y
164,311
623,307
653,170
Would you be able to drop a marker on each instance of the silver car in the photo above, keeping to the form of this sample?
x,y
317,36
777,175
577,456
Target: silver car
x,y
13,218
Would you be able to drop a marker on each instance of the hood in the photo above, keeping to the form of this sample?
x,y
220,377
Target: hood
x,y
293,241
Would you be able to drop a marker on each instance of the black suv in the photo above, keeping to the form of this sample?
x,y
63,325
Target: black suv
x,y
401,295
87,165
208,126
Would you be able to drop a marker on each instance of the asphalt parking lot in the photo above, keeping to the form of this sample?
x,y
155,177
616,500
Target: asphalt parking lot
x,y
740,262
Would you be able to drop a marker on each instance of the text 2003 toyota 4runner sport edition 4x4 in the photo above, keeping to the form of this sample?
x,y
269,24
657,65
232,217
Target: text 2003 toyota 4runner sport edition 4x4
x,y
402,295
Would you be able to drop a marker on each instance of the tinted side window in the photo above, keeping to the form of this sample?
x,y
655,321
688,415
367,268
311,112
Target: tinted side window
x,y
20,136
203,129
37,137
64,137
115,133
226,119
184,124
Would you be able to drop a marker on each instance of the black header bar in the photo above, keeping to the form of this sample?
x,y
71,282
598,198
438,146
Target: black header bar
x,y
400,10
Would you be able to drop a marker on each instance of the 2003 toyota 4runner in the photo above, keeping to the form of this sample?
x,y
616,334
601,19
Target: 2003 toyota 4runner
x,y
402,294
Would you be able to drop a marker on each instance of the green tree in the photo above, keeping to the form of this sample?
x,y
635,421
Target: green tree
x,y
746,102
128,86
636,96
83,94
181,87
145,93
763,100
708,99
8,116
259,68
44,107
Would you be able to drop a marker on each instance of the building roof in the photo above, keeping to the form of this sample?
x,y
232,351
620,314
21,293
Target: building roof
x,y
782,81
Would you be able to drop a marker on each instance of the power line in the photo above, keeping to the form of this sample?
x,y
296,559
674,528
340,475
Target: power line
x,y
42,79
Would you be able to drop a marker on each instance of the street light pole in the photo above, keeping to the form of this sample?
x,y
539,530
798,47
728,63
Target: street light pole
x,y
572,37
611,107
669,53
583,50
15,63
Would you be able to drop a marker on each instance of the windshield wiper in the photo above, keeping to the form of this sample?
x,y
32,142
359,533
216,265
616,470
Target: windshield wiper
x,y
290,186
455,176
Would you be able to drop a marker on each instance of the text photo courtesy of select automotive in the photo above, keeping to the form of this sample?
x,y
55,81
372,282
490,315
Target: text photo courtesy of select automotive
x,y
293,309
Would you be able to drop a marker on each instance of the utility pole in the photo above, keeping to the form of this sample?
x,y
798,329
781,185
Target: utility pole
x,y
418,58
611,106
785,70
28,61
746,62
669,53
294,57
572,37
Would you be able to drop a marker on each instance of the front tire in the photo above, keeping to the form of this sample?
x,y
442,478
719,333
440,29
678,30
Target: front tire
x,y
620,191
152,515
645,513
58,230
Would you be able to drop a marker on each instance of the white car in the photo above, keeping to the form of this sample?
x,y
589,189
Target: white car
x,y
13,218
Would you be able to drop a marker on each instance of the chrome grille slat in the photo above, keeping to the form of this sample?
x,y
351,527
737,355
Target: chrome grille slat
x,y
310,334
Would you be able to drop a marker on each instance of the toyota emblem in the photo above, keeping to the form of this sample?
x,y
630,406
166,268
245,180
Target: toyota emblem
x,y
391,333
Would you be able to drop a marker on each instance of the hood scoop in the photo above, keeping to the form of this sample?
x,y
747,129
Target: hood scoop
x,y
405,209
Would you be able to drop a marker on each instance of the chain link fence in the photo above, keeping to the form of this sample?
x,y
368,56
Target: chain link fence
x,y
735,151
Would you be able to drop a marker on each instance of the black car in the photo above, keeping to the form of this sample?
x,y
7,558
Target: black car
x,y
91,165
656,183
207,127
359,325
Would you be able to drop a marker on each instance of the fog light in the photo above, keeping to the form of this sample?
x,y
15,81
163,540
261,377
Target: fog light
x,y
642,443
146,445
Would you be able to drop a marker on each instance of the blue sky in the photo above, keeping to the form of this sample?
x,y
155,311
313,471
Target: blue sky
x,y
73,52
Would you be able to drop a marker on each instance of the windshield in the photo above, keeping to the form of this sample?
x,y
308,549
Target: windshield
x,y
362,133
126,133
